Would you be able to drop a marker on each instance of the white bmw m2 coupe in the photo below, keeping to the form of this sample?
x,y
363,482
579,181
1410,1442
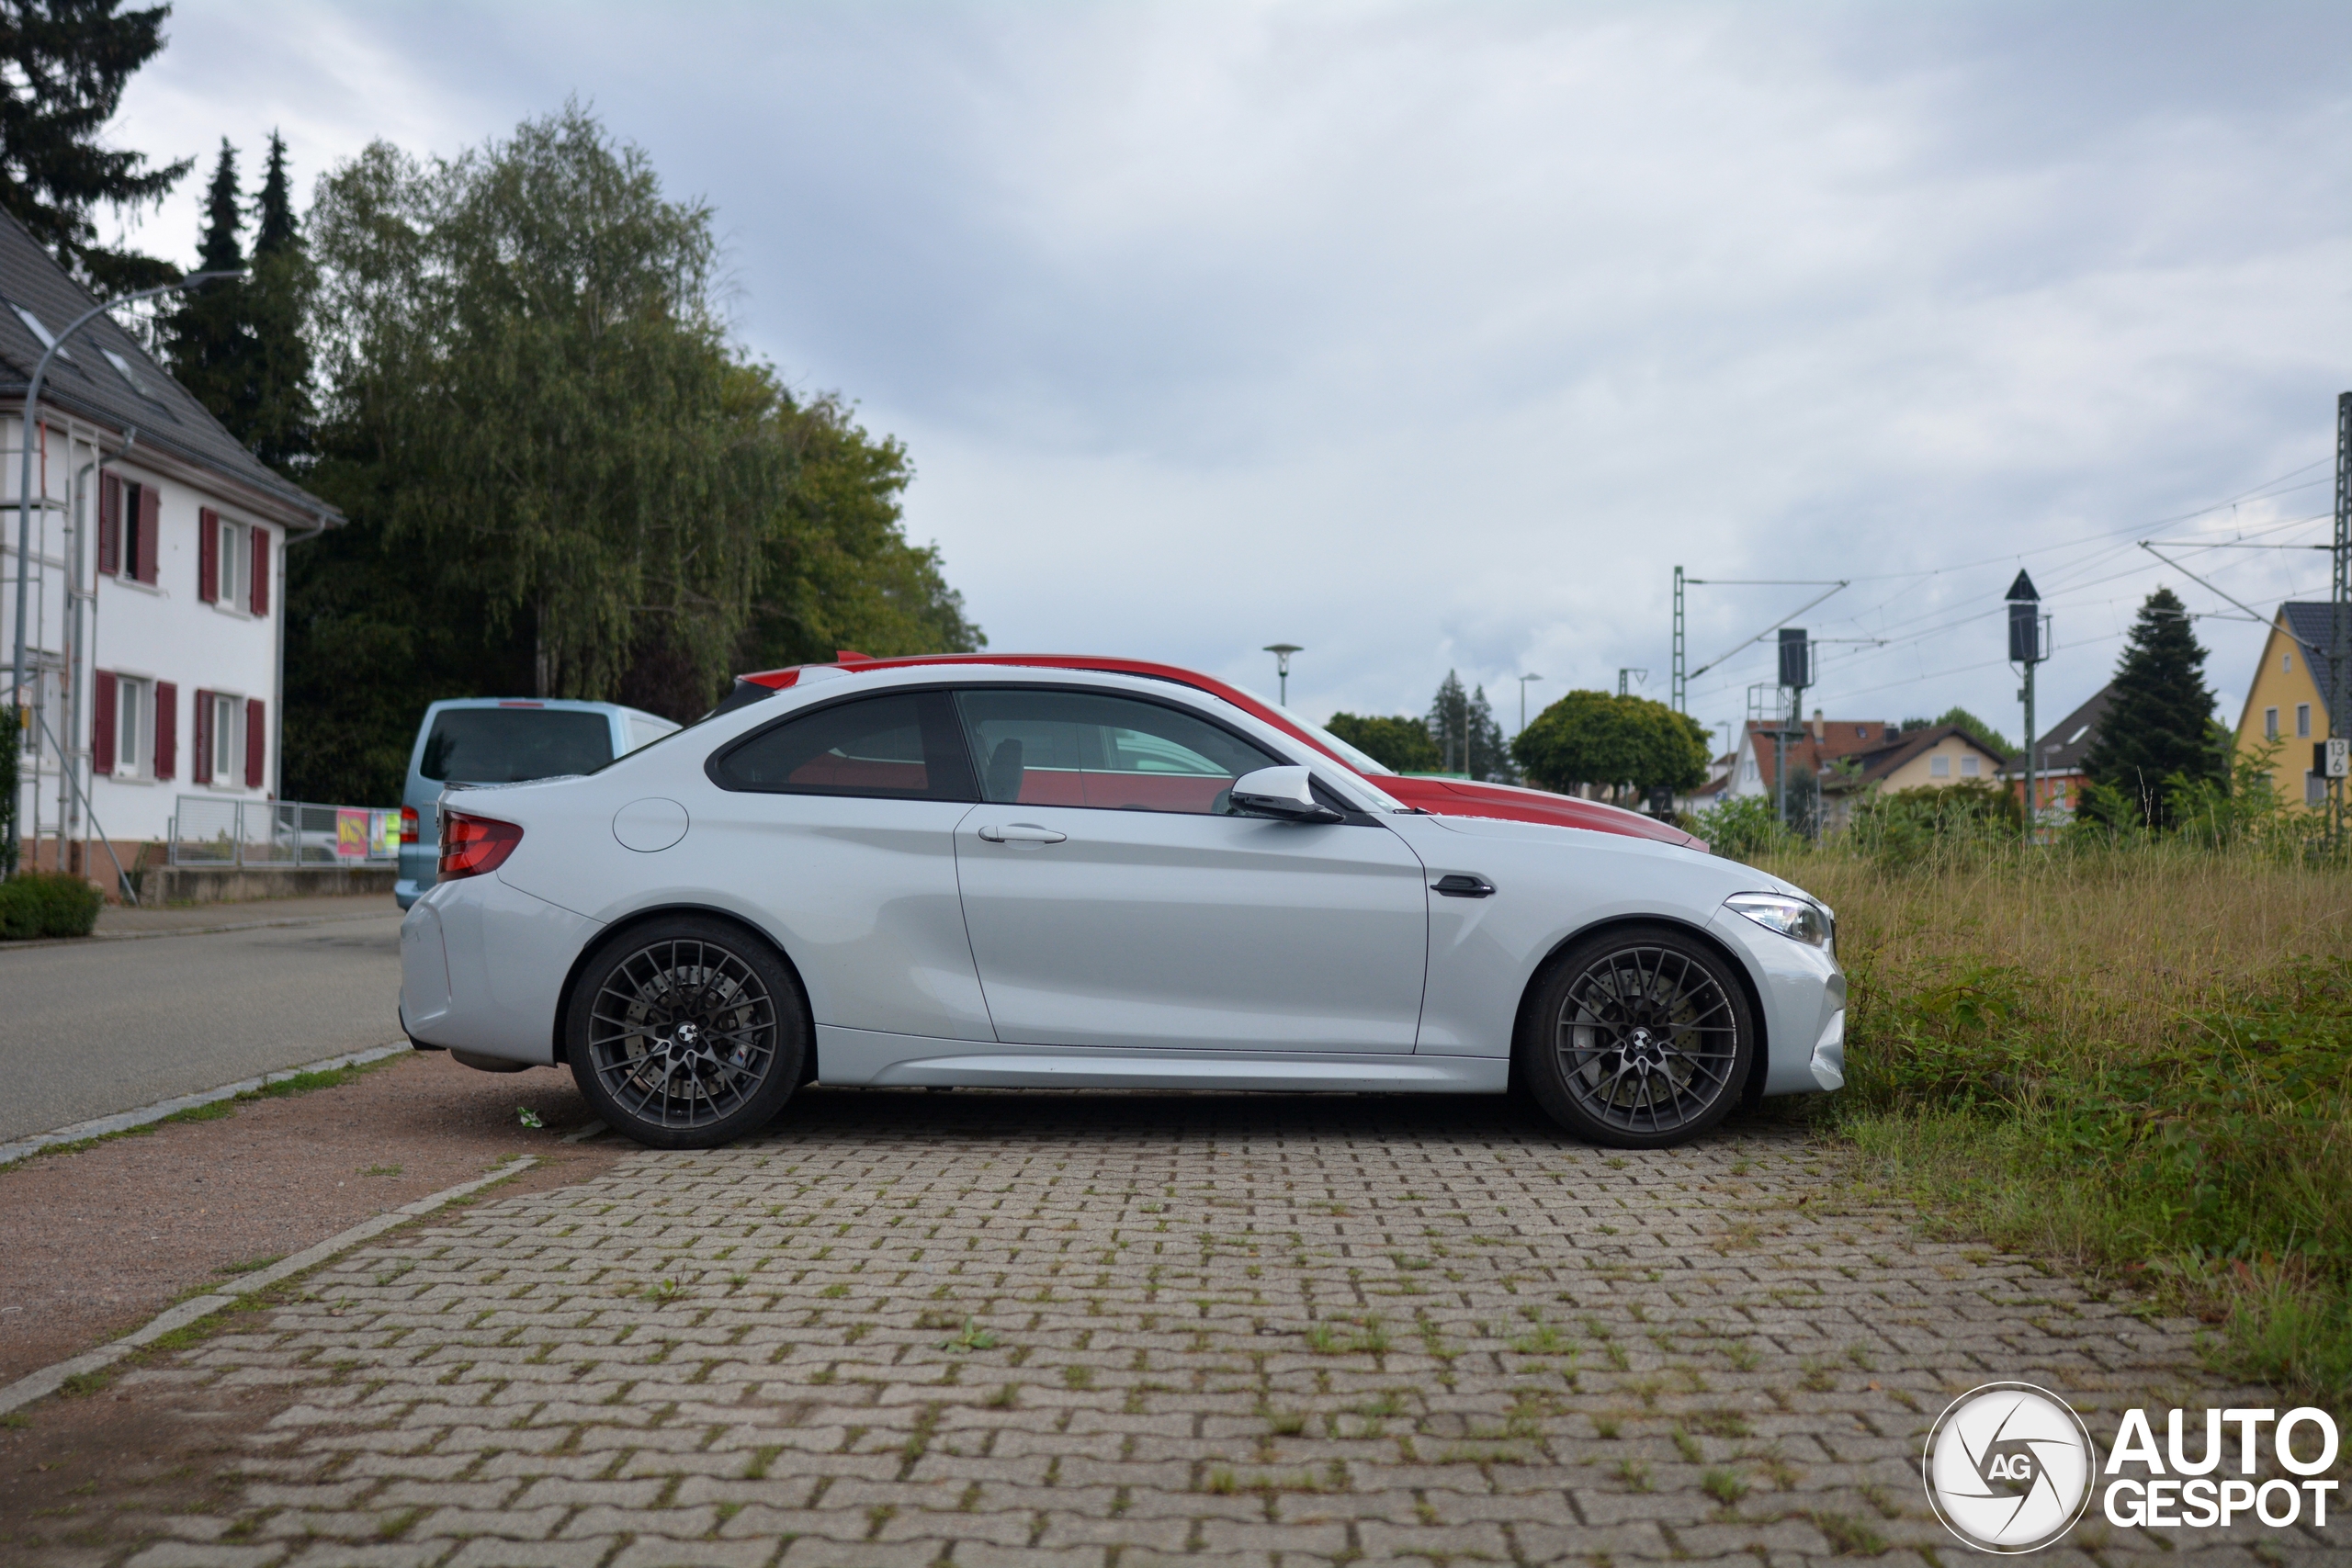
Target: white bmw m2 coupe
x,y
1024,878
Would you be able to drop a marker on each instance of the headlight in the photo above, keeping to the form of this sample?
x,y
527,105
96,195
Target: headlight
x,y
1796,918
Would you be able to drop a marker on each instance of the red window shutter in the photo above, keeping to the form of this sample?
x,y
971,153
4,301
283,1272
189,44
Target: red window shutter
x,y
256,742
150,510
207,554
199,761
110,524
167,730
260,571
102,727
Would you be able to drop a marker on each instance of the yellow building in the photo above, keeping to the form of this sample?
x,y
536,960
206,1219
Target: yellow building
x,y
2287,702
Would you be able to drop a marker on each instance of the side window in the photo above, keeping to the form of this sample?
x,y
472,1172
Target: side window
x,y
1049,748
903,746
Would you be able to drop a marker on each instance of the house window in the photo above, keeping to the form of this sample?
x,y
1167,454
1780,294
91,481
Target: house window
x,y
2286,661
234,557
134,541
134,715
228,726
2315,789
1939,766
1969,765
2303,721
2270,724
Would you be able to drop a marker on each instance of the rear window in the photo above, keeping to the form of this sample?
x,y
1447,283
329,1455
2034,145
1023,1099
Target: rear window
x,y
509,744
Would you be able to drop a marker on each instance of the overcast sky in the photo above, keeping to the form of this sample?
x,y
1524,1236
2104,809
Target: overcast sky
x,y
1435,336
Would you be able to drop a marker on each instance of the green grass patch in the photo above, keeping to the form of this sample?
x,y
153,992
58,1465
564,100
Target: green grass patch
x,y
2134,1060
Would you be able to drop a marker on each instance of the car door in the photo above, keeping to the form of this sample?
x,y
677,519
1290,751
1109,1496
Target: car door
x,y
1112,900
838,823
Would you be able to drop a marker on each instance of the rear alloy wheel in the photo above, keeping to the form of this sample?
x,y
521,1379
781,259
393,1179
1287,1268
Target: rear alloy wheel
x,y
686,1033
1638,1039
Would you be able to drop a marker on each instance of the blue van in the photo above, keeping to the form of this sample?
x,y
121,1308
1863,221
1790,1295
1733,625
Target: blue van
x,y
484,740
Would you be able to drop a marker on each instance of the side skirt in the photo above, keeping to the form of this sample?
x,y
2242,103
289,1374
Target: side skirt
x,y
860,1057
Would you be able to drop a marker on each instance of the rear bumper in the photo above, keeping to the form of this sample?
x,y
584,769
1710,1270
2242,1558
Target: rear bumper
x,y
483,968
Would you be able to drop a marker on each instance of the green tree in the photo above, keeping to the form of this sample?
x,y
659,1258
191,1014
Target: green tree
x,y
839,572
1976,729
1402,743
242,347
2159,731
1622,744
561,477
1468,740
283,432
523,350
66,64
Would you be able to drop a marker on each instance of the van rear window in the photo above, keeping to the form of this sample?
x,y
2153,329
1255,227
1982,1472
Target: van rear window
x,y
510,745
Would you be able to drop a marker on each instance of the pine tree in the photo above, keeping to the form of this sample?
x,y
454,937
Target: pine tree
x,y
209,335
2160,721
283,428
63,64
1449,722
1469,739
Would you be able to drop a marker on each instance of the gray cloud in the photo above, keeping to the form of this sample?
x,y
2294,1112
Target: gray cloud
x,y
1429,335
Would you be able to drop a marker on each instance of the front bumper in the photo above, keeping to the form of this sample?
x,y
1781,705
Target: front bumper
x,y
1802,993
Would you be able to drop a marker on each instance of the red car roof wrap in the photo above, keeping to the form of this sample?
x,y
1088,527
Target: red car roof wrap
x,y
1441,796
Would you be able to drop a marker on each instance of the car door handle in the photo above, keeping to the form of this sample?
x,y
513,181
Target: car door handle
x,y
1460,886
1021,834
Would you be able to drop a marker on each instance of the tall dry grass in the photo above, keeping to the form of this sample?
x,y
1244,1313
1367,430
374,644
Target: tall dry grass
x,y
2136,1060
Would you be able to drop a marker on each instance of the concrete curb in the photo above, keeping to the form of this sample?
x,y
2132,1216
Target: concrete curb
x,y
49,1379
123,1121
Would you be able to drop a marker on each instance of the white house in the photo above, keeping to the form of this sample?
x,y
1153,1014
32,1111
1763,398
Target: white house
x,y
152,584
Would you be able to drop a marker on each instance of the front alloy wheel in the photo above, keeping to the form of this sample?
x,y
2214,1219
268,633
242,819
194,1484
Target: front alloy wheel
x,y
1638,1039
686,1034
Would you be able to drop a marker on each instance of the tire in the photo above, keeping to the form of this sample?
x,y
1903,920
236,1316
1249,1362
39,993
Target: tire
x,y
1639,1038
687,1032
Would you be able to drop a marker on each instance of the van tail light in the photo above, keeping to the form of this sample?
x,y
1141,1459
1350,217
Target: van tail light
x,y
408,825
472,845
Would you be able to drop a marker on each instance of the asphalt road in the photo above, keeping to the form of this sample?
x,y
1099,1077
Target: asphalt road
x,y
93,1028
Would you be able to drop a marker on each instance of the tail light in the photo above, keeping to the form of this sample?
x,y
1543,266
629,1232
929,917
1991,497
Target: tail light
x,y
408,825
472,845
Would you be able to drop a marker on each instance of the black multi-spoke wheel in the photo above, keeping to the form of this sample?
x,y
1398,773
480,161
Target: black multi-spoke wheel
x,y
1639,1039
686,1033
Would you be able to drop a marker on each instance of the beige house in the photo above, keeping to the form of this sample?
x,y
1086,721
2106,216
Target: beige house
x,y
2286,704
1936,758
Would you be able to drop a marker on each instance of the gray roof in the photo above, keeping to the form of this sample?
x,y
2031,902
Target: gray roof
x,y
2063,748
90,386
2309,622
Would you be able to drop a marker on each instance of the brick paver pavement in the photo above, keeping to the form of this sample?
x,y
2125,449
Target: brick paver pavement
x,y
1112,1332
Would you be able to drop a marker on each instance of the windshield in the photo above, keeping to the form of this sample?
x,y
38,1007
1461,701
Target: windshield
x,y
511,745
1341,749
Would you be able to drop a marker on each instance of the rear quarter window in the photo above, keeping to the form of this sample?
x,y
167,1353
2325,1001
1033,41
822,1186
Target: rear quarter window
x,y
511,745
903,746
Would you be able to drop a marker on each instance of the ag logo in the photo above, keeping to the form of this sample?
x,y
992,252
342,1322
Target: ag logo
x,y
2009,1467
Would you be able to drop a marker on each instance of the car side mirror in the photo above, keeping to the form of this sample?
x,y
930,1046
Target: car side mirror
x,y
1287,794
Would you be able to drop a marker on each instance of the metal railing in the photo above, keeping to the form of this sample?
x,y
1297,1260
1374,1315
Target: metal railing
x,y
208,830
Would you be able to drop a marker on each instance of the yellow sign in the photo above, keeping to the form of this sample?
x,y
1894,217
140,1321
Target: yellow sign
x,y
350,834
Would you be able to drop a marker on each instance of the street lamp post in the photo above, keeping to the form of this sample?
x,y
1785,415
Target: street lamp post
x,y
1523,680
33,422
1281,652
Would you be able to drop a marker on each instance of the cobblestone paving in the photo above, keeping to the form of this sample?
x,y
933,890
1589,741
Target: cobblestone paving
x,y
1117,1332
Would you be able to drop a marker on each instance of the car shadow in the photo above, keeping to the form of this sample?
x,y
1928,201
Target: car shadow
x,y
1149,1116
